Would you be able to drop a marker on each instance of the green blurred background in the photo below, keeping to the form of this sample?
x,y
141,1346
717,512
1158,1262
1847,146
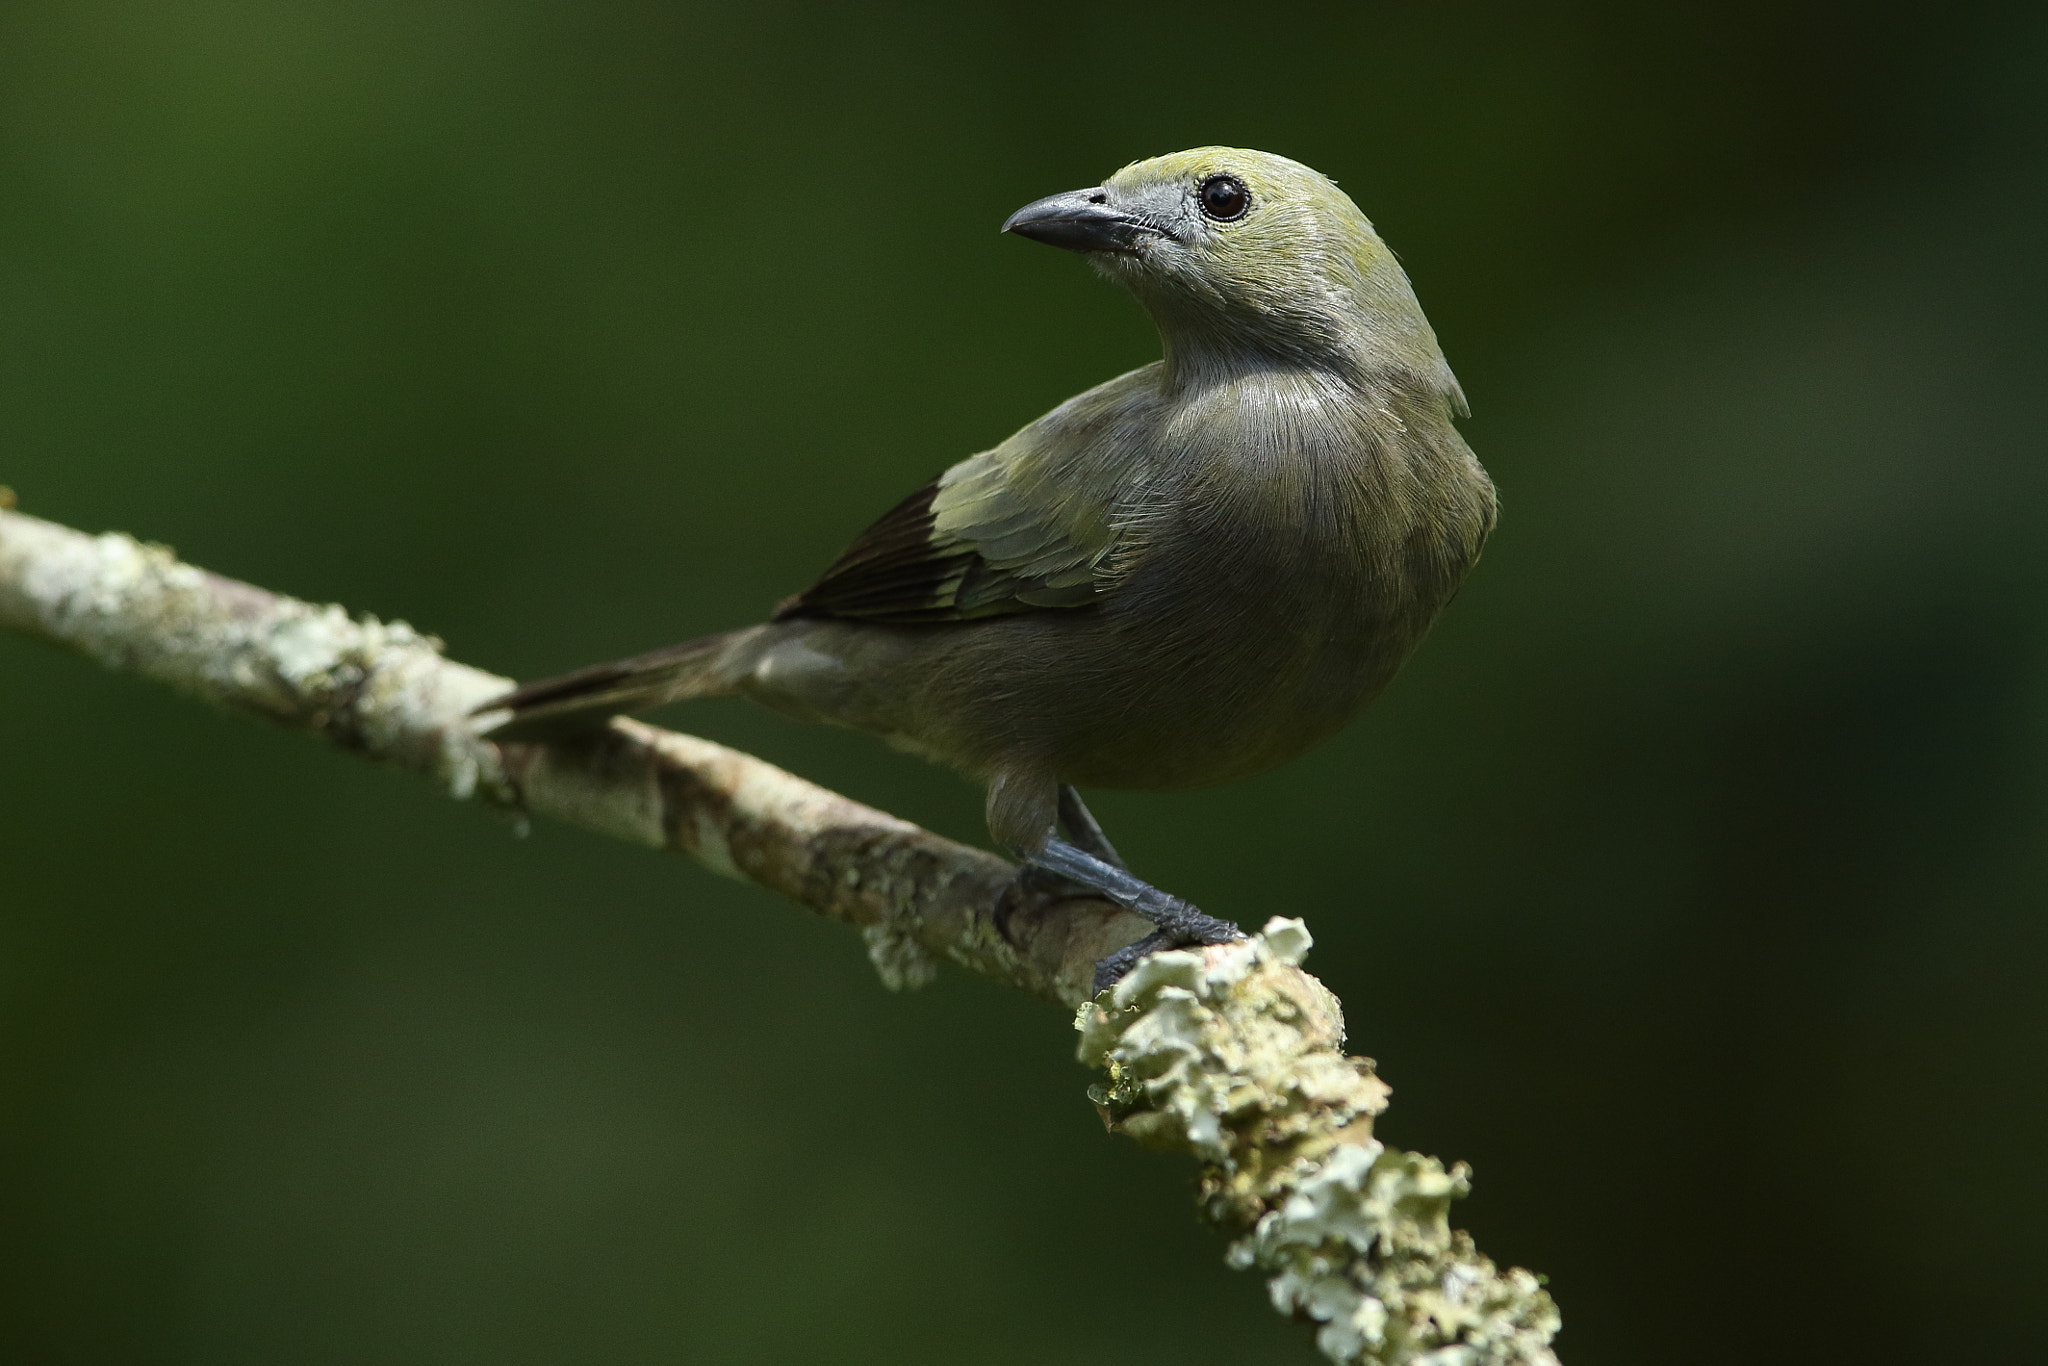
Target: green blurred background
x,y
1690,884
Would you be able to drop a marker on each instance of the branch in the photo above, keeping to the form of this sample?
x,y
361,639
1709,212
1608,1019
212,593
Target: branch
x,y
1231,1053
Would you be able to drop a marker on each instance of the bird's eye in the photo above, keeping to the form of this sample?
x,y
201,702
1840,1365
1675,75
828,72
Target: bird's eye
x,y
1224,198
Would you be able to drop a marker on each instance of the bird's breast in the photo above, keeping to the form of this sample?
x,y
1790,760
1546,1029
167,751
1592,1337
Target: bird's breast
x,y
1279,587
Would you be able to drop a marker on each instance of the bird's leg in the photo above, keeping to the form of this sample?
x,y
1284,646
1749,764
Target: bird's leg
x,y
1178,918
1085,863
1041,886
1178,921
1083,829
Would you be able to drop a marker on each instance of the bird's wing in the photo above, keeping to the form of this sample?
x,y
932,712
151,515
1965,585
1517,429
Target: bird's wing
x,y
1044,522
977,542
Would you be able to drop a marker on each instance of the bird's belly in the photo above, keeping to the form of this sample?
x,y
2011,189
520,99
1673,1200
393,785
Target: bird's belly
x,y
1217,679
1237,689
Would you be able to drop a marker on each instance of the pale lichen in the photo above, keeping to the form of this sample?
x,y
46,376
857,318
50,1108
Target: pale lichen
x,y
1233,1054
900,960
380,687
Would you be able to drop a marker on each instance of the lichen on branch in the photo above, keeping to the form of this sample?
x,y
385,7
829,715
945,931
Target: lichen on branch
x,y
1232,1053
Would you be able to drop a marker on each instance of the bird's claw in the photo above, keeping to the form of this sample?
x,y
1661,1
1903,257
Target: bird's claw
x,y
1111,970
1181,925
1188,924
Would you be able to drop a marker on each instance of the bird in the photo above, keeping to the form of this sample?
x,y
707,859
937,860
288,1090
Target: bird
x,y
1188,574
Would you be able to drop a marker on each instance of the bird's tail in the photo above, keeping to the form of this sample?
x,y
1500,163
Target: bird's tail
x,y
551,708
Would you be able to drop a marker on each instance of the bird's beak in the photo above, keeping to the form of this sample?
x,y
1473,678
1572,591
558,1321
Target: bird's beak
x,y
1079,220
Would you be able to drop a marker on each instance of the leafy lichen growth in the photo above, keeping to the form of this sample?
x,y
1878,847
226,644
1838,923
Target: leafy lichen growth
x,y
900,961
1235,1055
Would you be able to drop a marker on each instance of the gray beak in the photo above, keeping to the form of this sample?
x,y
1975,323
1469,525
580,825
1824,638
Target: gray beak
x,y
1079,220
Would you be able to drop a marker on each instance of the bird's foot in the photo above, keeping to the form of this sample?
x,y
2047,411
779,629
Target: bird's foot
x,y
1109,971
1181,925
1188,924
1179,922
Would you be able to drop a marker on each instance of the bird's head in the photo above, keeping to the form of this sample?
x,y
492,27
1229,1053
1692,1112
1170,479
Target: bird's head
x,y
1243,256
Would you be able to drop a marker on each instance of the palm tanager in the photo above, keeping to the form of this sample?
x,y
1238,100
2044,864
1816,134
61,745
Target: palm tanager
x,y
1185,575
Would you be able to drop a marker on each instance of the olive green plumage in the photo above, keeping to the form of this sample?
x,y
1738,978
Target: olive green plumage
x,y
1187,574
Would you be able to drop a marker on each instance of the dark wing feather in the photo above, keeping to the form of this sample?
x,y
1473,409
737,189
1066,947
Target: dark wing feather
x,y
1021,528
961,547
896,570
